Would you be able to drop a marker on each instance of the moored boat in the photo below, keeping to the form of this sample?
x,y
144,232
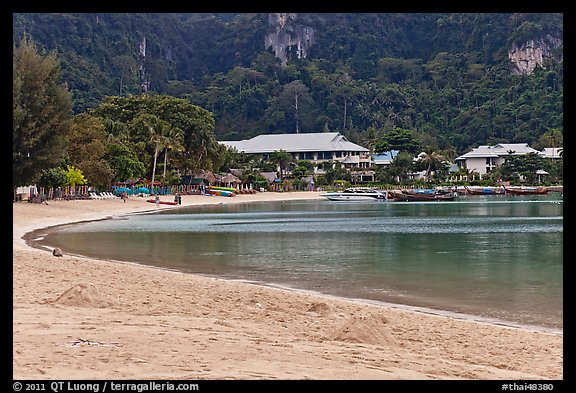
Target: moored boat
x,y
411,196
526,190
356,194
484,190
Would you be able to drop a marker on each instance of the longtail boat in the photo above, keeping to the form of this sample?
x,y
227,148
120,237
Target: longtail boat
x,y
526,190
419,197
484,190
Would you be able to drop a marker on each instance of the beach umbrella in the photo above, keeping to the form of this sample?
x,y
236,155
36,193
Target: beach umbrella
x,y
143,190
120,190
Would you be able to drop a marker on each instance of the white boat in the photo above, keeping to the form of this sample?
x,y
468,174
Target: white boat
x,y
356,194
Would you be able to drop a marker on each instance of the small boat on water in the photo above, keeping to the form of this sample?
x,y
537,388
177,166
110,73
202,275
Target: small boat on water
x,y
484,190
356,194
526,190
414,196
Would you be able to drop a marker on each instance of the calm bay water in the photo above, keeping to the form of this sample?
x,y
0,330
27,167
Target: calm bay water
x,y
490,256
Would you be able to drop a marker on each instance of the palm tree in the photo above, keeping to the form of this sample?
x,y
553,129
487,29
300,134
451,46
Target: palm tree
x,y
468,173
203,147
371,138
156,128
432,159
554,137
171,139
281,158
156,138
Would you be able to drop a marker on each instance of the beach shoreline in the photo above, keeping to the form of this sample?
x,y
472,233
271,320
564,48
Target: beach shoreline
x,y
149,323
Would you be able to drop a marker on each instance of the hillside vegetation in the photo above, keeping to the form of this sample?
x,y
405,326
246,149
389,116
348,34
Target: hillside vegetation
x,y
447,78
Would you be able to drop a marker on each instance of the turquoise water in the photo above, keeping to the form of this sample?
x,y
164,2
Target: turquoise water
x,y
490,256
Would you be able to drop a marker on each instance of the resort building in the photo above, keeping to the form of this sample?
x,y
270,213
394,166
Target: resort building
x,y
384,160
554,153
484,159
314,147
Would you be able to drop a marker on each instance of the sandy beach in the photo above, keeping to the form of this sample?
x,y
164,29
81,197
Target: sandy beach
x,y
81,318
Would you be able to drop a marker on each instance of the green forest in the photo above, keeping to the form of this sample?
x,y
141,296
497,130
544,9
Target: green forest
x,y
446,77
146,87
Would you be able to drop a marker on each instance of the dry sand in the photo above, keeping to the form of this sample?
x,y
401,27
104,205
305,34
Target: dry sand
x,y
80,318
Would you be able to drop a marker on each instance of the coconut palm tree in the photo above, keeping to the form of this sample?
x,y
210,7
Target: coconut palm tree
x,y
554,137
281,158
172,139
431,159
155,128
156,138
371,138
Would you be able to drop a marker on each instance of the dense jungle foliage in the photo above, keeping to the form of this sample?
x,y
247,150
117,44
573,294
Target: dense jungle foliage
x,y
445,77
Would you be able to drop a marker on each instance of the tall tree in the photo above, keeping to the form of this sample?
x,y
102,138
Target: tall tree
x,y
87,148
296,100
171,140
154,128
398,139
402,164
124,162
201,149
126,67
554,137
345,88
42,108
432,160
281,158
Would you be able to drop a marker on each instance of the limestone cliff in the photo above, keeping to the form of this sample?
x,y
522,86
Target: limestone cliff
x,y
535,52
288,38
144,82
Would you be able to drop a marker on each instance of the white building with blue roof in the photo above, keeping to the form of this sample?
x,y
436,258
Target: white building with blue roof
x,y
384,159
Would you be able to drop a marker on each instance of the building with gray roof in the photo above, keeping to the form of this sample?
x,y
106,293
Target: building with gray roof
x,y
554,153
484,159
314,147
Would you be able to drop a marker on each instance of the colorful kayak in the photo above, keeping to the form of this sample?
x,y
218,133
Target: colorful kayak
x,y
220,192
222,188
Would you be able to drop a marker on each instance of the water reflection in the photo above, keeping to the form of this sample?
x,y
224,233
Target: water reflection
x,y
494,258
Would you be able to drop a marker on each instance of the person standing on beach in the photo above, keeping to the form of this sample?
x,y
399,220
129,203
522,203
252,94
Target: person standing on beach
x,y
157,200
124,196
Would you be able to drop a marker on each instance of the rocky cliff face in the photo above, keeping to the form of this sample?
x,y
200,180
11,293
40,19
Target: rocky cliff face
x,y
288,38
535,53
144,82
